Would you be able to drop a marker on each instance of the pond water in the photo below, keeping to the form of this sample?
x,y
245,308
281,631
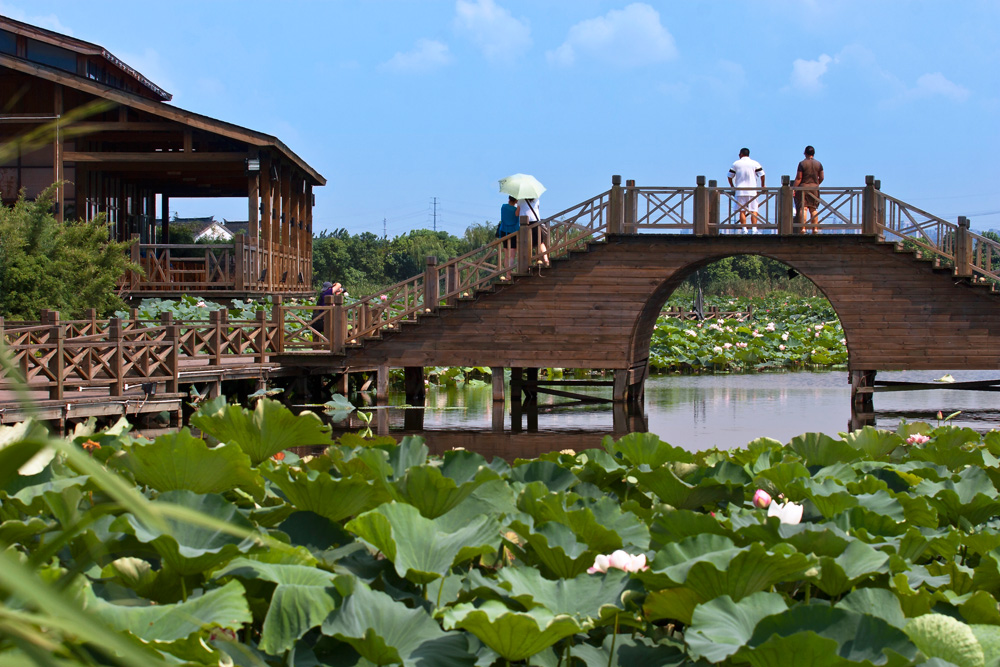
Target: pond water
x,y
693,412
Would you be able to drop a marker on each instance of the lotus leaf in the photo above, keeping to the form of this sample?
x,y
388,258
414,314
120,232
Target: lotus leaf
x,y
818,539
720,627
335,498
43,491
554,548
302,600
629,651
224,607
514,635
972,497
820,635
675,604
423,549
387,632
818,449
676,525
876,445
940,636
645,448
181,461
436,490
988,637
587,598
546,472
263,432
679,494
191,549
601,523
877,602
784,476
858,562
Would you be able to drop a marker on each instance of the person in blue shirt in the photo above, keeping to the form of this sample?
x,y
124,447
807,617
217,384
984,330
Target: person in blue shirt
x,y
509,223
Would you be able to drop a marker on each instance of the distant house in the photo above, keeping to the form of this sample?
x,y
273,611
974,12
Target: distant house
x,y
72,112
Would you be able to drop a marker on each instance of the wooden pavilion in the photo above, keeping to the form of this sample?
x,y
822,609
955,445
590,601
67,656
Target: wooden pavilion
x,y
72,112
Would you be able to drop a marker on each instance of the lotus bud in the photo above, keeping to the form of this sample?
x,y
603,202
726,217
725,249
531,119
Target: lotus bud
x,y
761,499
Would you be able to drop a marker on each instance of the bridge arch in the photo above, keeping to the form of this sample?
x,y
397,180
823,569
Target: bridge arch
x,y
645,322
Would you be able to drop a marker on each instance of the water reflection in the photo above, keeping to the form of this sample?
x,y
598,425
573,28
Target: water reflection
x,y
693,412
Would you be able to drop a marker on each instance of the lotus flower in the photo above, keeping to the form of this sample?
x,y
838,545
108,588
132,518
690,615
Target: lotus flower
x,y
917,439
619,560
786,512
761,499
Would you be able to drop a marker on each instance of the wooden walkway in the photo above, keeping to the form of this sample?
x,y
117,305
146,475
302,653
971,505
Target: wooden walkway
x,y
912,291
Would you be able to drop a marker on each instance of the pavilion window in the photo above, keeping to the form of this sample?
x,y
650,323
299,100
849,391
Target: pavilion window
x,y
8,42
51,55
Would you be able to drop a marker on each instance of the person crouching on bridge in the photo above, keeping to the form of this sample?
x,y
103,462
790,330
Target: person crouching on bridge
x,y
509,223
744,174
809,175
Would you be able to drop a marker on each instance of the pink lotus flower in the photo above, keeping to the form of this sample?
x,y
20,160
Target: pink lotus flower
x,y
619,560
761,499
917,439
384,297
781,347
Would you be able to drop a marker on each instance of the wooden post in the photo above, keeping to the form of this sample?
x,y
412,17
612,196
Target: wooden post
x,y
713,208
239,249
57,337
136,257
117,362
338,336
278,319
620,388
215,337
261,324
57,157
963,249
265,249
431,284
413,383
173,356
451,282
615,207
523,246
165,218
785,222
869,226
631,207
497,377
516,382
382,385
701,212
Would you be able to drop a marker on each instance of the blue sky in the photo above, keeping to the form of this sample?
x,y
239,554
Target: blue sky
x,y
398,102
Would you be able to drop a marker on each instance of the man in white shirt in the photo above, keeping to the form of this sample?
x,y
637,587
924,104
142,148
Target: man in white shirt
x,y
528,208
744,174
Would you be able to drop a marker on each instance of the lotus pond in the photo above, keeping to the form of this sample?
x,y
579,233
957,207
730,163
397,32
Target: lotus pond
x,y
866,548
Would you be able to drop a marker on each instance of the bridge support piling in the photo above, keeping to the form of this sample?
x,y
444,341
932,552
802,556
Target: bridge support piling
x,y
497,373
382,384
413,383
620,390
862,388
516,382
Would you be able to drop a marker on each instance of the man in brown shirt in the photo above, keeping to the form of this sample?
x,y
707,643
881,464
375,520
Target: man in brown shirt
x,y
808,176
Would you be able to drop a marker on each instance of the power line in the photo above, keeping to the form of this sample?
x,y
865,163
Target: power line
x,y
435,214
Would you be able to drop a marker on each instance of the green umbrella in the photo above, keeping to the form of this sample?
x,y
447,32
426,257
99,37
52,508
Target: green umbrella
x,y
521,186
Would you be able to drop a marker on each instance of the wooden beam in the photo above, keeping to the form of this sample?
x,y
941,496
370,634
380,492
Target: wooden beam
x,y
157,156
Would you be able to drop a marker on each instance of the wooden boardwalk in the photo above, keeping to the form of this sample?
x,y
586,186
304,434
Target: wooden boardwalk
x,y
912,291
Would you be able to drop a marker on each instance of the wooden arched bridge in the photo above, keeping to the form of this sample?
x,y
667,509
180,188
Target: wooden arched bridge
x,y
912,291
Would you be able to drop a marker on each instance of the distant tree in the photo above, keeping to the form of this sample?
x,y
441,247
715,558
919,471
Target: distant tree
x,y
69,266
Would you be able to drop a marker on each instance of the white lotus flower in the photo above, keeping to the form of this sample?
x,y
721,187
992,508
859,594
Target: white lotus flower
x,y
786,512
619,560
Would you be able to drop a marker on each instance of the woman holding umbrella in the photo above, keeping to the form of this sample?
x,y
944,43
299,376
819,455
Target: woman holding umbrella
x,y
527,189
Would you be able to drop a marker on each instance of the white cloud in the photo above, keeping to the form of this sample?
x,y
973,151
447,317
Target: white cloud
x,y
807,74
626,37
936,84
47,21
427,55
498,35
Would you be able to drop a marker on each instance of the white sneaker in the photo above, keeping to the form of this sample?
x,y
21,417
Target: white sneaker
x,y
755,231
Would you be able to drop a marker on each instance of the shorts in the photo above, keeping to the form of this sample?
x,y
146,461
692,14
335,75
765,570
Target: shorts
x,y
539,235
747,202
511,242
810,195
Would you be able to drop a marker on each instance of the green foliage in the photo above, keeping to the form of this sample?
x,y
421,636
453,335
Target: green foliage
x,y
373,552
45,264
365,263
784,332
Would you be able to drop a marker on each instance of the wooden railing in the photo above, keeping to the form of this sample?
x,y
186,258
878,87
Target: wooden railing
x,y
240,266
